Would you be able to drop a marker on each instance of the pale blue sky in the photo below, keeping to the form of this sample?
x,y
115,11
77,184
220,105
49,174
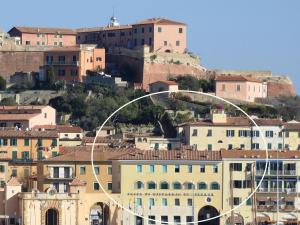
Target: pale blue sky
x,y
227,34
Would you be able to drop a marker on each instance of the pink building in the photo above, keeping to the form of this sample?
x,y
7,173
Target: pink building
x,y
160,34
38,36
27,116
241,88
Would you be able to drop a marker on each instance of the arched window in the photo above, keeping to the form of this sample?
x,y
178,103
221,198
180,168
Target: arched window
x,y
139,140
151,185
139,185
214,186
202,186
177,186
189,185
164,185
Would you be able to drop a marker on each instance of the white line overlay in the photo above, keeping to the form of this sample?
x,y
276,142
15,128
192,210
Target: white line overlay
x,y
179,91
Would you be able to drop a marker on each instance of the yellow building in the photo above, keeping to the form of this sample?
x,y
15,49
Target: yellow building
x,y
291,135
220,131
170,186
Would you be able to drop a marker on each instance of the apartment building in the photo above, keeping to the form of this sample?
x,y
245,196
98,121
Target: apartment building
x,y
160,34
27,116
241,88
40,36
72,63
275,198
148,142
170,186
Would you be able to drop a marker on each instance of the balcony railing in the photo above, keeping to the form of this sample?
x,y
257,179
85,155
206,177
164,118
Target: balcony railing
x,y
57,176
74,63
22,160
274,172
290,172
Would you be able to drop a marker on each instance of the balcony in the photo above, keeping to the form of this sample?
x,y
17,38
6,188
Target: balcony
x,y
290,172
262,189
67,63
22,160
60,177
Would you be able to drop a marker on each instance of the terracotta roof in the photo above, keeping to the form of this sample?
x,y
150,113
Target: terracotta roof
x,y
236,78
45,30
20,117
101,153
230,121
260,154
291,126
268,122
162,21
5,133
6,107
171,155
77,182
169,82
46,127
13,182
22,112
59,128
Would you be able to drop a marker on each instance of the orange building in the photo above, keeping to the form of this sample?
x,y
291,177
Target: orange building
x,y
160,34
38,36
72,63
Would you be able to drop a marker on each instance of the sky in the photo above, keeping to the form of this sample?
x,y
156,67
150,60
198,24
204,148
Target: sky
x,y
227,34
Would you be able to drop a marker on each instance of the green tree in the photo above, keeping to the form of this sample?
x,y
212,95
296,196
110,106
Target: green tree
x,y
8,101
2,83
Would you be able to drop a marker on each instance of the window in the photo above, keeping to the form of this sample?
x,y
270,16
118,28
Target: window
x,y
237,184
165,43
164,185
26,142
40,142
249,201
13,142
176,202
236,166
138,201
269,133
229,133
190,168
143,41
214,186
202,168
209,133
14,155
27,42
189,202
195,132
215,168
223,87
143,30
109,186
164,168
38,35
177,168
151,220
25,155
150,29
37,43
280,134
54,142
177,186
151,168
177,43
202,186
151,185
82,170
255,145
238,87
209,147
55,43
180,30
164,219
269,145
287,134
96,186
236,201
151,202
97,170
2,168
177,219
14,172
60,36
40,155
74,72
164,202
139,185
61,72
190,186
109,170
159,29
138,168
230,147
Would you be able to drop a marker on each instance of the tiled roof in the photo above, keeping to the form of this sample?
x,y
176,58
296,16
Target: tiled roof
x,y
236,78
21,112
169,82
20,117
45,30
171,155
5,133
59,128
13,182
83,154
291,126
77,182
231,121
268,122
162,21
8,107
98,29
259,154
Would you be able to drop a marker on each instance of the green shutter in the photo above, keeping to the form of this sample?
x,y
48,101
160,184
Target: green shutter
x,y
40,155
14,155
26,142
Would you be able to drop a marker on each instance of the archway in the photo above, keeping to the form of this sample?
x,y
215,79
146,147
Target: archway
x,y
52,217
99,214
207,212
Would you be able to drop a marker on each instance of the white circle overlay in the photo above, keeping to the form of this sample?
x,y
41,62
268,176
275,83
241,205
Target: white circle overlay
x,y
180,91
